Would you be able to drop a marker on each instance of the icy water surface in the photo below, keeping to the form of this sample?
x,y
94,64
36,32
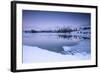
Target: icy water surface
x,y
63,44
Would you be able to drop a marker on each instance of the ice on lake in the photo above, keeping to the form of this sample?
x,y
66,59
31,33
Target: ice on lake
x,y
55,47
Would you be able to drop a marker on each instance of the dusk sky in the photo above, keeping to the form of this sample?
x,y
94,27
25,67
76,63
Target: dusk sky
x,y
50,20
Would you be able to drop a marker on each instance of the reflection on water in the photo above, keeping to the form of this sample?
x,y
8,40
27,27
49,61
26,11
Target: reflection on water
x,y
62,43
72,36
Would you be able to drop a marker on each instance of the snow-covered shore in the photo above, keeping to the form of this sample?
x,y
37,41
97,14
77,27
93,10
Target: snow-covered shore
x,y
35,54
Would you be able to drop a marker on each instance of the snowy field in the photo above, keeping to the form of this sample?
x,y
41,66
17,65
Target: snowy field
x,y
34,54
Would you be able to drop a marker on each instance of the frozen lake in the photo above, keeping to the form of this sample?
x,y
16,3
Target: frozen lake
x,y
55,47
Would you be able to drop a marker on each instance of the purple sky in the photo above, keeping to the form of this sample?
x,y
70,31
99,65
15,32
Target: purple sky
x,y
50,20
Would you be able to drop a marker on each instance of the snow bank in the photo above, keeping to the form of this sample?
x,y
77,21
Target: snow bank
x,y
35,54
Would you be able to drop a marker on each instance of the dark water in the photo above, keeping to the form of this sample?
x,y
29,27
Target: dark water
x,y
63,43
